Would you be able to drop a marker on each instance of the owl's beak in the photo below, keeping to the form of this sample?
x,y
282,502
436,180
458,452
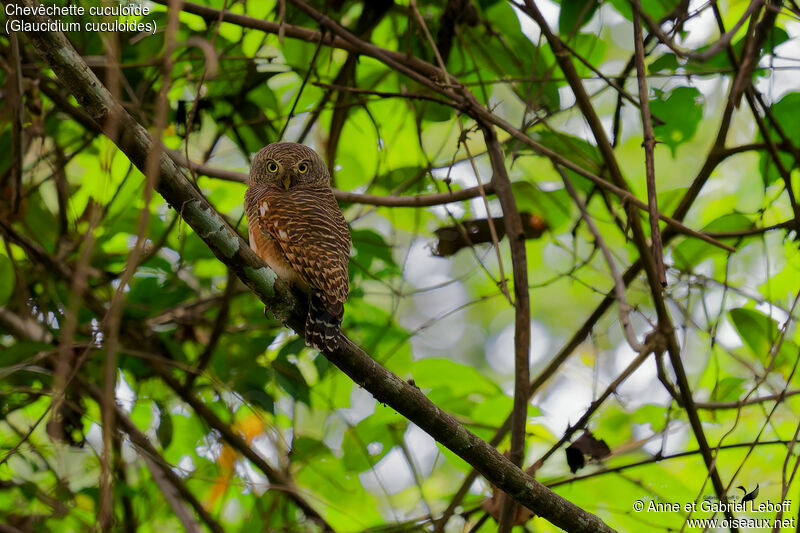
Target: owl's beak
x,y
287,182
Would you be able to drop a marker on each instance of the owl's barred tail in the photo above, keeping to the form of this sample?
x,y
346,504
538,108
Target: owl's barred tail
x,y
322,326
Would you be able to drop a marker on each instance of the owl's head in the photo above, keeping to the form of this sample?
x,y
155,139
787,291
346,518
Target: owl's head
x,y
286,165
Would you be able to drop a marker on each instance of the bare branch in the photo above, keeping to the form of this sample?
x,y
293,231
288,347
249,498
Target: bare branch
x,y
522,311
713,49
619,284
649,144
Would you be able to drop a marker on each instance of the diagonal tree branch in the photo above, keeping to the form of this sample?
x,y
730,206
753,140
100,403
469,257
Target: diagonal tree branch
x,y
231,249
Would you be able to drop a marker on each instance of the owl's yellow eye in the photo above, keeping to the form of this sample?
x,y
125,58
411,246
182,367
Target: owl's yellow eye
x,y
302,168
272,167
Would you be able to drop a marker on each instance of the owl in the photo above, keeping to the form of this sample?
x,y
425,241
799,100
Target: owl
x,y
297,228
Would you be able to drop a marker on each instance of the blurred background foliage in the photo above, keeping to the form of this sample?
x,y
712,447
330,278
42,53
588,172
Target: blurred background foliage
x,y
441,321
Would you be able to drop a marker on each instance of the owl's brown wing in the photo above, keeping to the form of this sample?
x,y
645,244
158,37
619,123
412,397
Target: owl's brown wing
x,y
314,237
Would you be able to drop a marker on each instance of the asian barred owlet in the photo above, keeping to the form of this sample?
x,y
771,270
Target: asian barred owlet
x,y
297,228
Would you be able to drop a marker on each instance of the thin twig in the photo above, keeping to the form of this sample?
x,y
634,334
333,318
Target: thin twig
x,y
302,85
164,473
644,352
619,284
714,48
216,333
649,144
490,219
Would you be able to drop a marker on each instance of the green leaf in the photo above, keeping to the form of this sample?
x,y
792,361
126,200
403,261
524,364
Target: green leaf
x,y
22,351
165,428
757,330
370,246
252,385
783,111
306,448
372,438
187,433
575,149
460,379
574,15
7,279
728,389
288,376
655,8
554,206
650,414
681,110
322,365
664,63
690,252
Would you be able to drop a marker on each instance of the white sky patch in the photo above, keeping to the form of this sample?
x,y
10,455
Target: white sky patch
x,y
438,336
362,405
264,446
500,348
773,312
675,441
209,447
422,267
335,428
604,18
129,453
566,96
125,395
787,54
701,29
95,437
478,486
185,466
576,125
477,207
374,448
393,471
642,387
257,481
727,337
565,400
390,473
441,211
233,511
180,410
226,154
528,26
437,302
422,448
461,173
